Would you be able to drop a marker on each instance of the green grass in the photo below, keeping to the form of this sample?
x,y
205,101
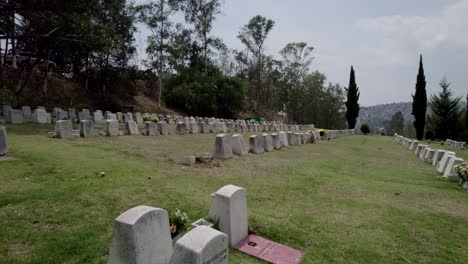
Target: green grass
x,y
359,199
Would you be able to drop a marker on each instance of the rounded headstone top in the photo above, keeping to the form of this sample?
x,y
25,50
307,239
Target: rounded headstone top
x,y
131,216
229,190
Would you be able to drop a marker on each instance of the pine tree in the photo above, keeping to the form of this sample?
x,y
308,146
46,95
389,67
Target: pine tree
x,y
445,111
420,102
352,103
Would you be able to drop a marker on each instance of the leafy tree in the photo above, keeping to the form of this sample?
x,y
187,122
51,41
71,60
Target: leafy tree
x,y
253,36
156,16
352,103
365,129
420,102
445,112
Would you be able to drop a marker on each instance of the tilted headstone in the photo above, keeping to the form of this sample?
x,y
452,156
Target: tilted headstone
x,y
3,141
87,129
450,171
64,129
141,236
14,116
163,128
202,245
439,153
131,128
151,129
267,143
444,161
223,148
238,145
256,144
112,128
229,207
26,110
138,118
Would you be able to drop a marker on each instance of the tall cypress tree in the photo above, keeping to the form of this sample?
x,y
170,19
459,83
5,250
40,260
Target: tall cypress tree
x,y
352,103
420,102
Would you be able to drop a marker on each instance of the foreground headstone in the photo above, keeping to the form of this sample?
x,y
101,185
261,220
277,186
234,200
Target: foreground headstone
x,y
141,236
202,245
256,144
64,129
3,141
112,128
132,128
229,207
223,148
87,129
151,129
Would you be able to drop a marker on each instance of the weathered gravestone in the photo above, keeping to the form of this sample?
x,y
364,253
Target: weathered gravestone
x,y
439,153
238,145
127,117
189,160
193,127
5,110
204,128
444,161
181,128
267,142
450,171
292,138
276,141
98,117
64,129
151,129
40,116
141,236
131,128
3,141
163,128
112,128
284,139
223,148
61,115
229,207
26,110
138,118
256,144
87,129
202,245
84,115
111,116
429,156
14,116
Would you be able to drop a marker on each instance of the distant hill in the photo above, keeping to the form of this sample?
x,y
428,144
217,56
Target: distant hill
x,y
377,114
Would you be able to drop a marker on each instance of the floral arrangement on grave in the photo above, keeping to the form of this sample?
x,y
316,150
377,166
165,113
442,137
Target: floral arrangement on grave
x,y
151,117
462,171
178,221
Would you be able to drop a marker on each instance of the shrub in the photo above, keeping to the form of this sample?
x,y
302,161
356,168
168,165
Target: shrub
x,y
365,129
178,221
151,117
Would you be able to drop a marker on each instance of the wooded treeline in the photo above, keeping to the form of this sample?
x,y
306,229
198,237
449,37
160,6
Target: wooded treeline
x,y
195,70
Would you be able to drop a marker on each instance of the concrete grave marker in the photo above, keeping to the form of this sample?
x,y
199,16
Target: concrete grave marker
x,y
112,128
450,171
163,128
439,153
223,148
3,141
40,116
256,144
131,128
229,207
444,161
151,129
141,236
64,129
26,110
238,145
87,129
181,128
202,245
267,142
14,116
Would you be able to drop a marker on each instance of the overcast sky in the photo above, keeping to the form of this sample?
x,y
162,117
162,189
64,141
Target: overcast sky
x,y
381,38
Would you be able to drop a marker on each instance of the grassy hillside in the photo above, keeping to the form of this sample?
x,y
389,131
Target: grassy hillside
x,y
352,200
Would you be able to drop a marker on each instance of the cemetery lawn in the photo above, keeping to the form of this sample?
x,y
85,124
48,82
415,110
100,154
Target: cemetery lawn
x,y
359,199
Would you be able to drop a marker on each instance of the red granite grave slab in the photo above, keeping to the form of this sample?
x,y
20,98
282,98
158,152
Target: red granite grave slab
x,y
269,251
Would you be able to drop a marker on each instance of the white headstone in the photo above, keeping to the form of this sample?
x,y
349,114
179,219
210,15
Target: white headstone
x,y
87,129
3,141
112,128
223,148
40,116
132,128
238,145
64,129
141,236
256,144
437,157
202,245
151,129
450,171
229,207
267,142
444,161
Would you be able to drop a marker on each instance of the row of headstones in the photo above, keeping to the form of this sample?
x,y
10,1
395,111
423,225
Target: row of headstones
x,y
141,234
456,144
444,161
